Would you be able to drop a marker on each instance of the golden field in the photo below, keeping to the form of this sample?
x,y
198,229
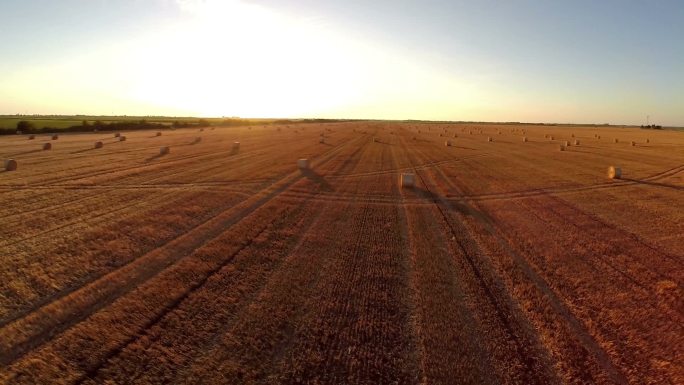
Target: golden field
x,y
509,262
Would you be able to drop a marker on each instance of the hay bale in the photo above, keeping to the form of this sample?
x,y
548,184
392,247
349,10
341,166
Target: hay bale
x,y
572,135
524,139
615,140
561,147
47,146
577,142
236,145
633,143
598,136
566,143
303,164
158,133
614,172
455,136
551,137
198,139
322,140
10,165
31,137
201,129
117,134
122,138
55,137
407,180
375,140
489,139
447,143
99,144
164,150
647,140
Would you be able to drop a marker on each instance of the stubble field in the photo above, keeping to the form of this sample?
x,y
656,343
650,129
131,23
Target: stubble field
x,y
509,262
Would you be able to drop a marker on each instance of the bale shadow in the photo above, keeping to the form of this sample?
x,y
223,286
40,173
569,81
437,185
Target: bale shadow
x,y
82,151
154,157
26,152
658,184
234,151
317,178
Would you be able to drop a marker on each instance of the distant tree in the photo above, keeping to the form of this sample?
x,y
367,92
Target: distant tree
x,y
25,126
203,123
85,123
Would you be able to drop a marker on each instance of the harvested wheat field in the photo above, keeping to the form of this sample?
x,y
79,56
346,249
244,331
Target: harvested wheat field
x,y
182,258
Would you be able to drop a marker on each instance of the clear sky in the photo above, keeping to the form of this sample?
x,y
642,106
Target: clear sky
x,y
582,61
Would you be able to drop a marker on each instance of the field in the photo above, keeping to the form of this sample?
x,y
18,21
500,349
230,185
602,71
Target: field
x,y
509,262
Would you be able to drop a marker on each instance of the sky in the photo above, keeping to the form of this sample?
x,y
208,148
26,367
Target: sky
x,y
574,61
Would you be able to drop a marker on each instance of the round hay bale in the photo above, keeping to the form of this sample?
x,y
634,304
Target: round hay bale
x,y
551,137
117,134
236,145
455,136
407,180
201,129
524,139
566,143
647,140
614,172
198,139
158,133
447,143
322,140
577,142
615,140
99,144
164,150
31,137
122,138
10,165
489,139
55,137
47,146
633,143
303,164
375,140
572,135
561,147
